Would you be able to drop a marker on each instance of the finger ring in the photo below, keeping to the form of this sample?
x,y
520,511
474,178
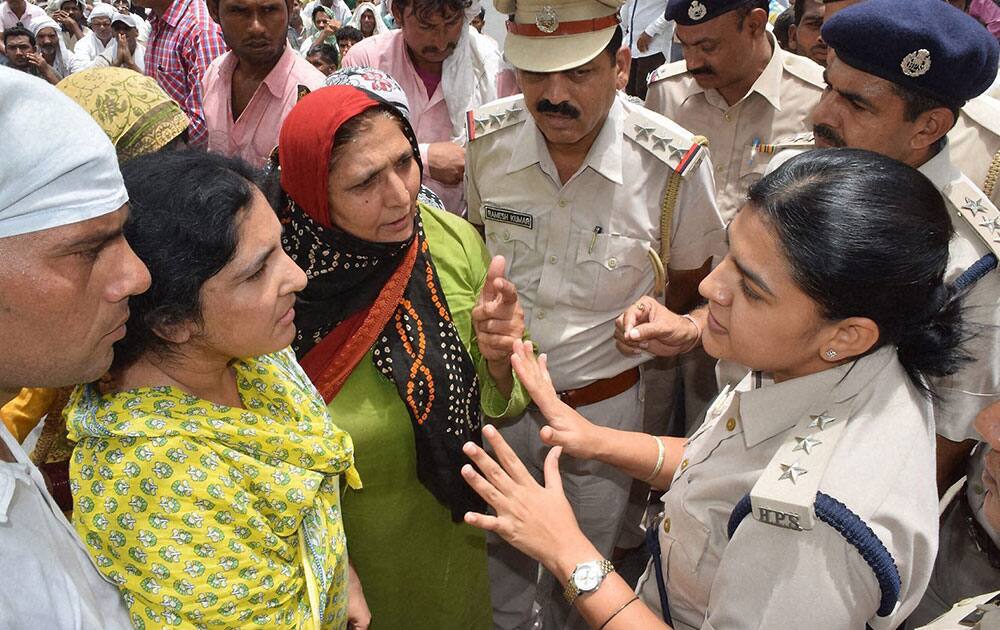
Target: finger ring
x,y
640,306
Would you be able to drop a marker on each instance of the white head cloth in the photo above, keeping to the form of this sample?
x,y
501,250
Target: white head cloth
x,y
63,64
101,9
361,7
59,166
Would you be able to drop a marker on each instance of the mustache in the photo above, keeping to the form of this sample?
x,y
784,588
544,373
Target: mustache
x,y
545,106
430,50
828,134
703,70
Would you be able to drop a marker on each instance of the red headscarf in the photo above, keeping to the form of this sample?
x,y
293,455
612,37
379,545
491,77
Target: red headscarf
x,y
306,141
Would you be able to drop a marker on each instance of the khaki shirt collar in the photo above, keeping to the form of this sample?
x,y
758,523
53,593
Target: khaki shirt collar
x,y
605,155
768,83
772,408
940,169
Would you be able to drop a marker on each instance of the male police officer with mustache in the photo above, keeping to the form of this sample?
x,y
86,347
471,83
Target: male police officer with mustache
x,y
585,194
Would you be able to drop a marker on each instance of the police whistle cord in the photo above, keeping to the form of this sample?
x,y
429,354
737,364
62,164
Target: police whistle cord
x,y
653,546
974,273
855,531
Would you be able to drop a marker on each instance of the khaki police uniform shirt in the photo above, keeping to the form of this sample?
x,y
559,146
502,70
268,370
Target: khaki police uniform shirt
x,y
976,385
766,576
975,144
578,252
777,108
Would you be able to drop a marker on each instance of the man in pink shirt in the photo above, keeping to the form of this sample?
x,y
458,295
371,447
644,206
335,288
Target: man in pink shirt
x,y
250,89
446,69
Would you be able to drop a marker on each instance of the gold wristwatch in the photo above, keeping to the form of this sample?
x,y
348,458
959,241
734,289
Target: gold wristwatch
x,y
586,578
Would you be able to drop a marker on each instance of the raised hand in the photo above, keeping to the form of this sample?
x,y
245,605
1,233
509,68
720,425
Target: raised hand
x,y
648,326
577,436
497,316
537,520
446,162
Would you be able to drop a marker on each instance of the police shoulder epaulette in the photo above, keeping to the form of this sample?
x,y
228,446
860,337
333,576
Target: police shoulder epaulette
x,y
494,116
805,69
985,112
666,71
785,494
666,140
977,210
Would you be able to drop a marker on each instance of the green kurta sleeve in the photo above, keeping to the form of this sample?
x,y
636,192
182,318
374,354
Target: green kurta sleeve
x,y
462,261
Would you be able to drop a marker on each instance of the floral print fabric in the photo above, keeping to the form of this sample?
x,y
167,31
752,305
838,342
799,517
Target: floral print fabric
x,y
209,516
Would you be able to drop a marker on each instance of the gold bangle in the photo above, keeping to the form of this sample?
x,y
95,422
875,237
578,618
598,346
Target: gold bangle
x,y
659,460
615,614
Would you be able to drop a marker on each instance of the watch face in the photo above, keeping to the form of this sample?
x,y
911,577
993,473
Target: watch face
x,y
587,576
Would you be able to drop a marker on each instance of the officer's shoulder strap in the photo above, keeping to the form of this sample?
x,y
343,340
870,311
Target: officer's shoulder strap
x,y
787,495
494,116
667,141
666,71
805,69
976,209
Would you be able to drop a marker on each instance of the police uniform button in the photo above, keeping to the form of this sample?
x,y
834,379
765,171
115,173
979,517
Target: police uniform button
x,y
666,526
730,424
553,259
684,464
540,315
506,236
562,203
612,263
729,118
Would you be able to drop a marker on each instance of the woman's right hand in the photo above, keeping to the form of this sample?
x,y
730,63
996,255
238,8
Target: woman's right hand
x,y
566,428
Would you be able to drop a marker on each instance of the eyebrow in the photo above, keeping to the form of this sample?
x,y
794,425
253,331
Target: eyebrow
x,y
698,42
251,268
853,97
98,238
753,276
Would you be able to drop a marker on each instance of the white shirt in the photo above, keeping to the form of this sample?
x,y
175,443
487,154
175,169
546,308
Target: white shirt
x,y
48,579
640,16
90,46
8,19
107,58
577,252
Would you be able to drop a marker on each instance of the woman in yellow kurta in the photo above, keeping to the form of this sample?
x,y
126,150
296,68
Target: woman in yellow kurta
x,y
207,473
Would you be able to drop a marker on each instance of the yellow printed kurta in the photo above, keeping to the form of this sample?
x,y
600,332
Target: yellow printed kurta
x,y
210,516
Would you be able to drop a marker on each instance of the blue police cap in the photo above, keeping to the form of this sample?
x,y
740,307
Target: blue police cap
x,y
691,12
927,46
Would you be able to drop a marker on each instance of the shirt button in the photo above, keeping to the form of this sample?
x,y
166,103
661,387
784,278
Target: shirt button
x,y
666,526
728,118
562,203
612,263
684,464
553,259
506,236
730,424
540,315
719,168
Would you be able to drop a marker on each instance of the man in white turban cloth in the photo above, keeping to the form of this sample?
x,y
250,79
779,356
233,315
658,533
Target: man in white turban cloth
x,y
66,274
53,50
100,35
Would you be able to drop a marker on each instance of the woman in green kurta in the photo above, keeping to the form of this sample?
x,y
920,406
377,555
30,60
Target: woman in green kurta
x,y
406,327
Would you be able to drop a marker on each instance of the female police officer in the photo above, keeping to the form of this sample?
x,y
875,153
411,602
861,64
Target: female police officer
x,y
833,294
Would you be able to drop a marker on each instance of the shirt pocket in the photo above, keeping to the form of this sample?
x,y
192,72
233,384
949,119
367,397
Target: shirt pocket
x,y
513,242
611,270
751,171
683,543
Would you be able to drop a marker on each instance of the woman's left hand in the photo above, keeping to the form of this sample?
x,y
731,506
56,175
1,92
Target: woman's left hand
x,y
497,317
358,615
536,520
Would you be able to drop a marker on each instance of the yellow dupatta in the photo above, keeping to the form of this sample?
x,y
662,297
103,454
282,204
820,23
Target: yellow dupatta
x,y
213,515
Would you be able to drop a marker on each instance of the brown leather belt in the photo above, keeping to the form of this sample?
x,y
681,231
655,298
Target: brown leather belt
x,y
600,390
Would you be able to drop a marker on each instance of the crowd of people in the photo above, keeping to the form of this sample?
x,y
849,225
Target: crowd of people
x,y
663,314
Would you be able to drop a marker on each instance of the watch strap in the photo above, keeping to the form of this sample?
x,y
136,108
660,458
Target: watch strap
x,y
571,592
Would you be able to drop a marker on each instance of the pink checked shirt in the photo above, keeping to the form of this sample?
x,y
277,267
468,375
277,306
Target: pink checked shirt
x,y
428,113
182,43
255,133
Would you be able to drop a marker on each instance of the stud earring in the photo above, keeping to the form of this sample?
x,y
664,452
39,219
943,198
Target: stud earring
x,y
831,354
